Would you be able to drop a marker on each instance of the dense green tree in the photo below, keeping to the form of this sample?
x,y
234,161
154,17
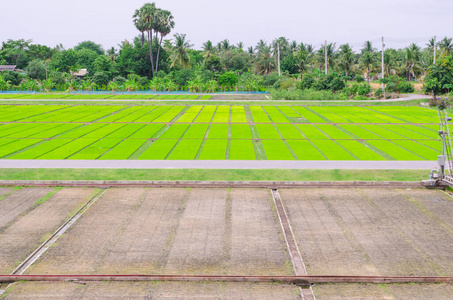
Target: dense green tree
x,y
64,61
265,63
14,52
86,58
446,45
440,76
346,59
228,79
290,64
36,69
234,60
90,45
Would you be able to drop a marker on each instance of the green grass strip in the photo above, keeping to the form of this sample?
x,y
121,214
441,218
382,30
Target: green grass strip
x,y
48,196
213,174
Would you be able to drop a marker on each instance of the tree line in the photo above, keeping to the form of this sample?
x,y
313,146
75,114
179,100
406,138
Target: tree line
x,y
156,60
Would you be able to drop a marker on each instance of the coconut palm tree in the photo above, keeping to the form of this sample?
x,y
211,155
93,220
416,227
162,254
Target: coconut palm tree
x,y
179,56
446,45
368,47
145,17
260,45
208,49
250,50
284,47
331,56
303,61
346,58
265,62
367,63
240,46
412,61
112,54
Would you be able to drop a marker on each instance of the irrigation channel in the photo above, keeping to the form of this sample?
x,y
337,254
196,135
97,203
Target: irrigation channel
x,y
301,279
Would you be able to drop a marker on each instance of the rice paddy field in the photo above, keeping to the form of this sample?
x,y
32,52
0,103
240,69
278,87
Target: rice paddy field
x,y
209,132
105,96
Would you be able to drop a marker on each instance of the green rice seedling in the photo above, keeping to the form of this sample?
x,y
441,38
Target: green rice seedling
x,y
7,141
28,129
214,149
148,131
121,114
383,132
259,115
240,131
81,131
361,151
40,149
196,131
170,114
312,132
13,147
103,131
275,115
393,150
55,131
321,110
304,150
205,97
185,149
68,149
124,149
429,133
152,114
238,114
332,150
218,131
206,114
96,149
143,114
419,149
433,144
289,131
241,150
159,149
310,115
190,114
277,150
175,131
334,132
360,132
125,131
222,114
267,131
410,134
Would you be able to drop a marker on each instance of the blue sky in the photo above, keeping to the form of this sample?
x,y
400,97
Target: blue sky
x,y
109,22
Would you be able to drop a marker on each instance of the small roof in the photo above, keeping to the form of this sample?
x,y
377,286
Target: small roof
x,y
7,68
81,72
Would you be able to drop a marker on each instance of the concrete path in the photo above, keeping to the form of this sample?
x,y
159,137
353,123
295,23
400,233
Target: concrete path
x,y
214,164
407,98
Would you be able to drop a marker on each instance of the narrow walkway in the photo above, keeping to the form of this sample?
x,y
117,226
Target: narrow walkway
x,y
215,164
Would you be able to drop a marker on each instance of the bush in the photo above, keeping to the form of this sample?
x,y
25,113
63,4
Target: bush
x,y
336,84
271,79
119,79
364,89
101,79
405,87
144,82
13,77
306,82
359,79
228,79
378,93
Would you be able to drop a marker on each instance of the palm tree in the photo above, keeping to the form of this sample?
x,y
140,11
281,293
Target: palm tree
x,y
250,50
145,17
303,61
368,47
139,23
260,45
164,25
111,54
240,46
367,62
446,45
293,46
331,56
225,45
390,61
346,58
284,46
208,49
179,55
412,60
265,62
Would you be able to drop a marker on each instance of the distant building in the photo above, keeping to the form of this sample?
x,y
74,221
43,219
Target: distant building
x,y
80,73
12,68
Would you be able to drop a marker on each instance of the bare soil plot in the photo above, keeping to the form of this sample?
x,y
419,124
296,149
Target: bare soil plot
x,y
25,233
370,231
257,243
152,290
4,191
19,202
172,231
383,291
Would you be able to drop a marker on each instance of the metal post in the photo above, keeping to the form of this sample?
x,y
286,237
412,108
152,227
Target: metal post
x,y
435,48
383,74
325,56
278,58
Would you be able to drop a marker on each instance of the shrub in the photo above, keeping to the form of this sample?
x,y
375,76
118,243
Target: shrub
x,y
144,82
119,79
405,87
378,93
306,95
359,79
101,79
271,79
306,82
336,84
228,79
364,89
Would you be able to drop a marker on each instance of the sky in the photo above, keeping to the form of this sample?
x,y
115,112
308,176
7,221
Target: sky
x,y
108,22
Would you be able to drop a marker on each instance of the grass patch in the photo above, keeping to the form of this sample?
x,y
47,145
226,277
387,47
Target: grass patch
x,y
47,197
209,175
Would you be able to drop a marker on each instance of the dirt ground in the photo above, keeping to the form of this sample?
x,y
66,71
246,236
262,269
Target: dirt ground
x,y
383,291
373,231
418,87
26,232
172,231
18,202
152,290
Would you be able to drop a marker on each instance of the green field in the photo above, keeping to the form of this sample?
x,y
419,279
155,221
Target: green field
x,y
210,132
